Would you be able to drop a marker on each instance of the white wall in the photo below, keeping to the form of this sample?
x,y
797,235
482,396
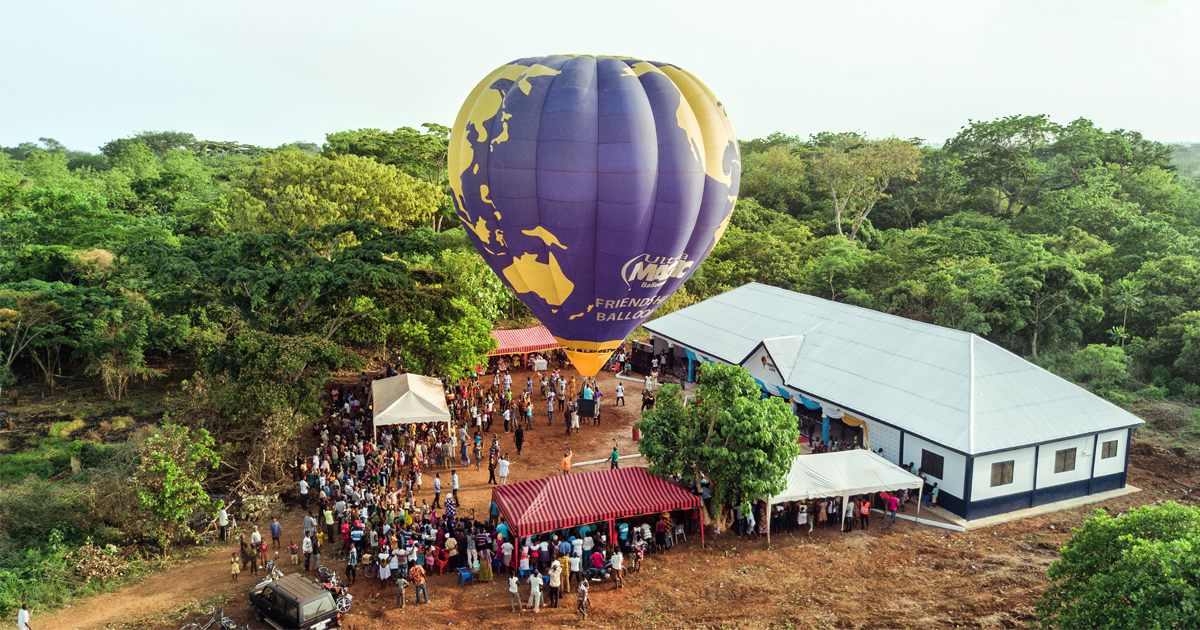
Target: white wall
x,y
754,365
1022,480
954,468
885,437
1046,476
1112,465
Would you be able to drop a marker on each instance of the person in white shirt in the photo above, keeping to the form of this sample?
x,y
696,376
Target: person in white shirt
x,y
307,548
618,566
502,469
535,591
576,567
514,595
507,550
620,395
303,495
223,522
255,537
23,618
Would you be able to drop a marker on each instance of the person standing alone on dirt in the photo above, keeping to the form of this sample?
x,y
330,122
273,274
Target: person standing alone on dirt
x,y
23,618
502,469
566,463
276,531
614,457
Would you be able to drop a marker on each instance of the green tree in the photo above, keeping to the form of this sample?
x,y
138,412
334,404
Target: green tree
x,y
1139,570
743,444
1052,296
295,191
857,173
835,267
776,178
175,462
1102,365
1010,162
453,348
1126,295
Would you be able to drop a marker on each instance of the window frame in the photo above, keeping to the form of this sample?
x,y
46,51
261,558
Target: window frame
x,y
1060,460
929,456
1005,466
1115,446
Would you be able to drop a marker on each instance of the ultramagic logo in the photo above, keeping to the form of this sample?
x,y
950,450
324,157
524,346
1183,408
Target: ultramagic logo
x,y
653,271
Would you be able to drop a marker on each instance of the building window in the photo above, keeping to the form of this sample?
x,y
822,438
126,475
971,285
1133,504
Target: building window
x,y
1064,460
1002,473
932,464
1108,449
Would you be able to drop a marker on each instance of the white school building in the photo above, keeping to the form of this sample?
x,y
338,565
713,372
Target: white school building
x,y
996,432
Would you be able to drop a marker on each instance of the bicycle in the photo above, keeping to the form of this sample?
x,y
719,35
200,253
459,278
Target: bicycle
x,y
372,570
218,620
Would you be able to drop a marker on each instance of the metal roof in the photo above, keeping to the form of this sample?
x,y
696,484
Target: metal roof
x,y
948,386
298,587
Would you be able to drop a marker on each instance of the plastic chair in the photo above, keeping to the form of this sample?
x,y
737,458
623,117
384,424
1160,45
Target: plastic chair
x,y
523,573
680,534
442,560
465,574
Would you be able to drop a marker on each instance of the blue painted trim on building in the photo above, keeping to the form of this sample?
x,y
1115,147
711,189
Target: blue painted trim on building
x,y
952,503
1041,496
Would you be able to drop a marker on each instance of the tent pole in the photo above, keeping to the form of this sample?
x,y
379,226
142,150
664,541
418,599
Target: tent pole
x,y
920,493
845,502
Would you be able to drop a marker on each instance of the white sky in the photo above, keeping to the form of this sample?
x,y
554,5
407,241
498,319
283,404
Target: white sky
x,y
85,72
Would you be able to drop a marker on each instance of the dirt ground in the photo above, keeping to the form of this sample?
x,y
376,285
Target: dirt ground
x,y
907,576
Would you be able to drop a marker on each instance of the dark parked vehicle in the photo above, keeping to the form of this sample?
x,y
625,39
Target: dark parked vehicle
x,y
294,602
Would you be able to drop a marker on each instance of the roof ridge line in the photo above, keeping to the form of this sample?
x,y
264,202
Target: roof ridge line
x,y
971,397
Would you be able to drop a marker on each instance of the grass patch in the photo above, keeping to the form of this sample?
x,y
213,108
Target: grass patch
x,y
65,429
117,423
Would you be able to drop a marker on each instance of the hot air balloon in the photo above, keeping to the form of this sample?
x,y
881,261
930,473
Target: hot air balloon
x,y
593,187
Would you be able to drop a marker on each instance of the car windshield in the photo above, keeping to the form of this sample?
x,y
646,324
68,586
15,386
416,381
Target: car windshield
x,y
318,607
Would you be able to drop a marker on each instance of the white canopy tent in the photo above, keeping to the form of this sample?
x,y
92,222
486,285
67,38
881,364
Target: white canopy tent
x,y
408,399
844,474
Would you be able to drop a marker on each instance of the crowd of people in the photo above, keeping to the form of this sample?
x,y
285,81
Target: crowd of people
x,y
385,500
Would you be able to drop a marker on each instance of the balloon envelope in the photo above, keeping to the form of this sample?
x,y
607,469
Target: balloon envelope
x,y
593,187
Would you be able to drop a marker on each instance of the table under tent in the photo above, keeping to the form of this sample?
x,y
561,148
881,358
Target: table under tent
x,y
408,399
524,341
545,505
844,474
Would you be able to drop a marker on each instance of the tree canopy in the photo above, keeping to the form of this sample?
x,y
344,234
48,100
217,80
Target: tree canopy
x,y
1139,570
742,444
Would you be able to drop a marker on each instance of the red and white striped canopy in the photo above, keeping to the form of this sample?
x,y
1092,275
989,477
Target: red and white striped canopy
x,y
544,505
522,340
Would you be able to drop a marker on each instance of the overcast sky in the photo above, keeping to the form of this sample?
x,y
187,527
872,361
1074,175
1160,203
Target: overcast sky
x,y
267,73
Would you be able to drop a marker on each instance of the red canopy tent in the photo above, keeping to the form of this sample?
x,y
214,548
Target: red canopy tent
x,y
523,341
544,505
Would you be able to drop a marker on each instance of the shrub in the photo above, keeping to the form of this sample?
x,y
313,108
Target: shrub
x,y
1139,570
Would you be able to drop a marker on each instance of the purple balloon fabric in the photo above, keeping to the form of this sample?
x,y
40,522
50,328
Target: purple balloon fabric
x,y
593,187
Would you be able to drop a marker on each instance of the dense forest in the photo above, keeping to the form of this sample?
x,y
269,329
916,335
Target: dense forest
x,y
256,273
